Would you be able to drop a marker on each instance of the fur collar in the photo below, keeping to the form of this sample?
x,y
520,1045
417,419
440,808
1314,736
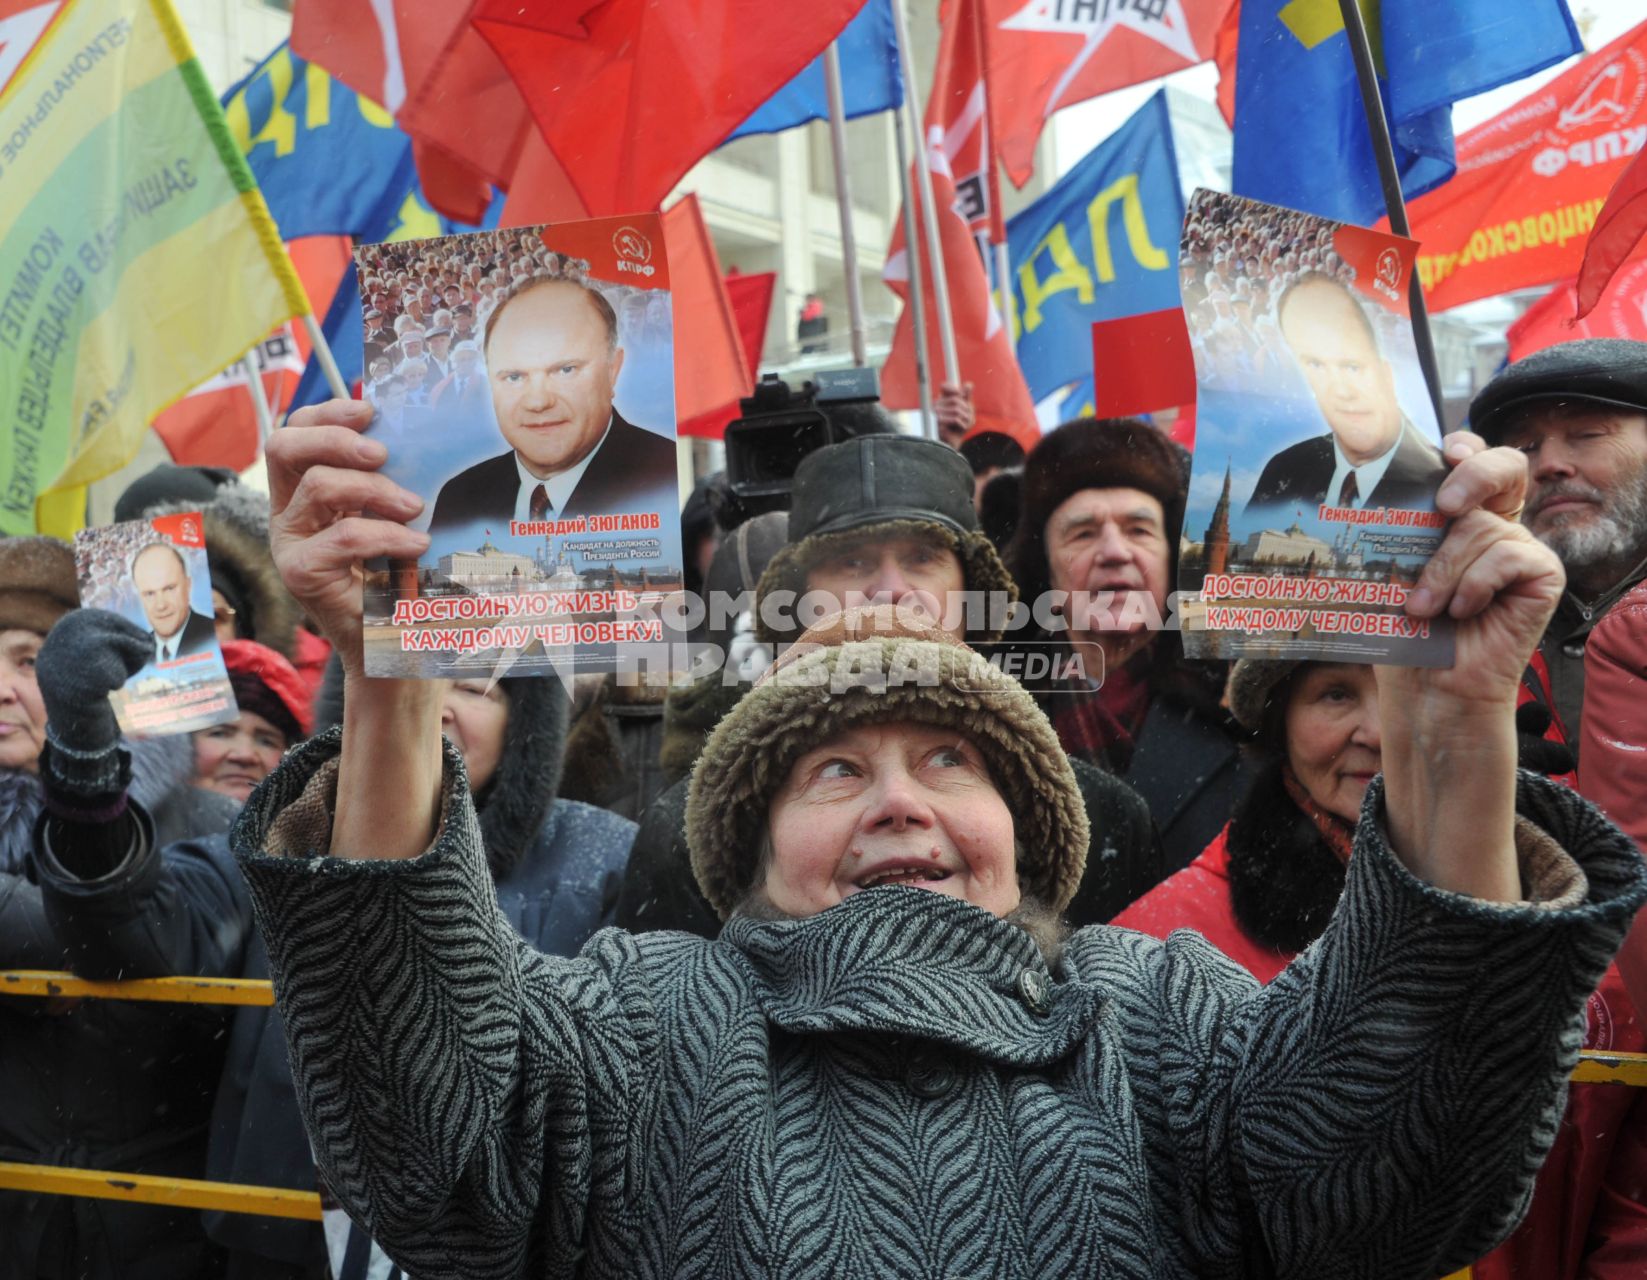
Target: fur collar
x,y
1284,879
20,803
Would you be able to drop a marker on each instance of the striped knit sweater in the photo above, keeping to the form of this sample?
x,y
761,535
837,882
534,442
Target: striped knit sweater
x,y
899,1086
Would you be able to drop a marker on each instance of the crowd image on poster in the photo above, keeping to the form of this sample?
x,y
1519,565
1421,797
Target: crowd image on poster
x,y
526,392
1311,509
155,574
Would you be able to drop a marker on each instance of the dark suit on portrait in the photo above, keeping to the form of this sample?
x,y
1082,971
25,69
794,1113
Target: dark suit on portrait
x,y
1301,474
629,463
199,633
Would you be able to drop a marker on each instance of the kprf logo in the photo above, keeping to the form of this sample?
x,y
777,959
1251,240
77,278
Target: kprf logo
x,y
634,251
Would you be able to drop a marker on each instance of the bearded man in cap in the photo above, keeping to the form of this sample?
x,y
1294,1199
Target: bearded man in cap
x,y
1578,410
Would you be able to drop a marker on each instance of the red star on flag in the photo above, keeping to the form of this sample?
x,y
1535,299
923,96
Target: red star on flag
x,y
1043,55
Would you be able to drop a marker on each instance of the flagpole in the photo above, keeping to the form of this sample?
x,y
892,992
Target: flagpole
x,y
254,385
843,201
929,210
917,298
1372,106
323,353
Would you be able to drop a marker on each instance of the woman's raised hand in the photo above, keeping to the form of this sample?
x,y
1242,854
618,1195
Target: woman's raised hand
x,y
1490,574
331,512
1449,745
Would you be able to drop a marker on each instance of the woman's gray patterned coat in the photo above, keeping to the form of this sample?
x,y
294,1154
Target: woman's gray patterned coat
x,y
899,1086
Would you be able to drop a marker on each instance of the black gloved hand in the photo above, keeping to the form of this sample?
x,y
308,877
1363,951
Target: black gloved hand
x,y
1533,750
87,656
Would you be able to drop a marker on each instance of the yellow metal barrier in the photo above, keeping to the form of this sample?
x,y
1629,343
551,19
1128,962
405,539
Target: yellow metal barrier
x,y
141,1188
46,982
189,1193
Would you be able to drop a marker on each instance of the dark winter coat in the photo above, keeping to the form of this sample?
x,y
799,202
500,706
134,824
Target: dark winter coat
x,y
1185,760
1186,764
614,746
1123,861
104,1084
901,1086
1267,887
555,867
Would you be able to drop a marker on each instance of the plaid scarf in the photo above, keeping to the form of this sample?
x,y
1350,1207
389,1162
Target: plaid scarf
x,y
1102,724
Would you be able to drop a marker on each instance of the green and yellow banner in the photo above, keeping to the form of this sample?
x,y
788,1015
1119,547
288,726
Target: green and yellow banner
x,y
137,257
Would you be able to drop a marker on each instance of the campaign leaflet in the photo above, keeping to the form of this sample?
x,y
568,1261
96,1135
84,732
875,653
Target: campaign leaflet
x,y
154,573
1311,508
524,386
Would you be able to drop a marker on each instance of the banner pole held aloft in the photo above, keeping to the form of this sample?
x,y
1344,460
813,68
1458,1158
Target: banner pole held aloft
x,y
929,210
843,202
260,406
323,353
1372,105
917,299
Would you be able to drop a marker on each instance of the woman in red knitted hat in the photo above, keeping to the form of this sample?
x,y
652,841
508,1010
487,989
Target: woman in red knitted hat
x,y
233,758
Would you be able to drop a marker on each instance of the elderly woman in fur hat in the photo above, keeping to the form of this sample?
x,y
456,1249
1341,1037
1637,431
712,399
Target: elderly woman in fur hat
x,y
878,1069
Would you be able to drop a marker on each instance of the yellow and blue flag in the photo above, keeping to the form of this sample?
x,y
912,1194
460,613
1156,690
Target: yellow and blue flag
x,y
136,256
330,162
1102,244
1301,137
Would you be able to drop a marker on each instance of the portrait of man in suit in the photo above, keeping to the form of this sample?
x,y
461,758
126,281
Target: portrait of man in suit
x,y
464,390
552,360
162,583
1372,455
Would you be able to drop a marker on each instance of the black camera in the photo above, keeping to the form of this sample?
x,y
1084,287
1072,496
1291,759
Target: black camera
x,y
780,426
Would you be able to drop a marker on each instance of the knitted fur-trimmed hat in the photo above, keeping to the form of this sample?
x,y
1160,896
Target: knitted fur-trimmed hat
x,y
1094,453
876,488
1253,682
37,583
880,666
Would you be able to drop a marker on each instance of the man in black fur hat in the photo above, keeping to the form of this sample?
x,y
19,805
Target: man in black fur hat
x,y
1095,553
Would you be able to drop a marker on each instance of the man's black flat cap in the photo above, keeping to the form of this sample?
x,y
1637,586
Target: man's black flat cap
x,y
1609,372
880,478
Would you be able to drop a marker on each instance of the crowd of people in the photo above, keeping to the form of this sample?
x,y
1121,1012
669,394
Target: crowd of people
x,y
1237,262
1146,966
426,311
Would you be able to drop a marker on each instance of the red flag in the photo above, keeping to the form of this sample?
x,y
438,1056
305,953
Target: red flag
x,y
1142,364
1047,54
539,190
751,299
1531,181
1619,228
1225,48
959,157
630,94
1622,313
440,80
710,370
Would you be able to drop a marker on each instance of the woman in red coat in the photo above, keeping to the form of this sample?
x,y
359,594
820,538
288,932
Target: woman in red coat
x,y
1264,889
